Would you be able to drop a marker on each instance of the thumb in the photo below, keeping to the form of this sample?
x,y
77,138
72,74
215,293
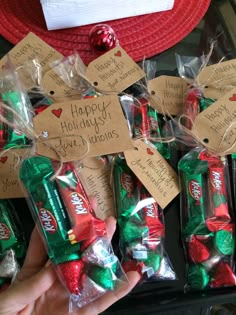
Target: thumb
x,y
23,293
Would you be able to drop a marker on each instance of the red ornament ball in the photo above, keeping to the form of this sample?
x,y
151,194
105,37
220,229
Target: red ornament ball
x,y
102,38
70,273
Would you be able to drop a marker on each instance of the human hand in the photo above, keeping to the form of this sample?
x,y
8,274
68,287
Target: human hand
x,y
38,291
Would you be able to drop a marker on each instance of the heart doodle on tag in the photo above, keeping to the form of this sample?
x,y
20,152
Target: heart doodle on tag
x,y
233,97
57,112
118,53
149,151
4,159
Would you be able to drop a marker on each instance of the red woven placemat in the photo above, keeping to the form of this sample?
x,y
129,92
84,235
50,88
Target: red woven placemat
x,y
141,36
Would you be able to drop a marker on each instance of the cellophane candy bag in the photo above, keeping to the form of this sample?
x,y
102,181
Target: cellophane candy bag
x,y
194,102
38,96
76,240
208,229
12,242
72,70
145,122
141,226
14,96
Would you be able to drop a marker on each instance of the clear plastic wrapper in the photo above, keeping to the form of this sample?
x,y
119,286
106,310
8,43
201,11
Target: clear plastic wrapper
x,y
128,107
12,243
150,68
14,96
141,226
145,122
71,70
189,66
195,102
76,240
207,224
33,70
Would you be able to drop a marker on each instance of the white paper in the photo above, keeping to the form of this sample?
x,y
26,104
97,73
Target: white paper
x,y
70,13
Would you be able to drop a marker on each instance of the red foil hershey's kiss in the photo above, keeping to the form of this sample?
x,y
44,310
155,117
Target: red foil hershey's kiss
x,y
70,272
198,252
223,276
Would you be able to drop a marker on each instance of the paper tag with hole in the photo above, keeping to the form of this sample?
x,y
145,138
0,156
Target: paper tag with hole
x,y
95,174
218,79
10,186
216,126
29,48
167,94
114,71
85,128
154,172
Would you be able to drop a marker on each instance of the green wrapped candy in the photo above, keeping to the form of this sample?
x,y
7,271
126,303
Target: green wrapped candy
x,y
102,277
224,242
198,277
127,194
35,173
194,199
13,100
153,261
195,226
152,121
205,103
131,232
11,234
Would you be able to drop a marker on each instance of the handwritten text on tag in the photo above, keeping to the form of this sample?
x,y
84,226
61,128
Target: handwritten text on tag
x,y
114,71
218,79
95,175
27,49
9,174
216,126
167,94
89,127
154,172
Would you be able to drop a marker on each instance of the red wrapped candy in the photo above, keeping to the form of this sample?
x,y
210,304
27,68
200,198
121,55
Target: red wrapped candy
x,y
198,252
102,38
223,276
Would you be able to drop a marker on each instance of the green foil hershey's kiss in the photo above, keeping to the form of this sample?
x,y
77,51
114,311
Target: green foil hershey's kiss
x,y
102,276
198,277
224,242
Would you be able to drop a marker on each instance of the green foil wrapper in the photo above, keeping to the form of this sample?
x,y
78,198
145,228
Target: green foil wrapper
x,y
11,234
224,242
205,103
14,137
153,261
131,232
193,174
48,209
102,277
126,192
194,187
198,277
155,127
